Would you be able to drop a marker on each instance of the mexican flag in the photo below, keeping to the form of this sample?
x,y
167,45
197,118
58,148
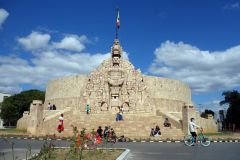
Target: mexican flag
x,y
118,20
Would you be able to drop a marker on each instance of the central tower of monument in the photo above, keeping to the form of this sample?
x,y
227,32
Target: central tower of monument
x,y
115,84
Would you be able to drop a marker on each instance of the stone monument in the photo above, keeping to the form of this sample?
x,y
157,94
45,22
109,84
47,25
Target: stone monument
x,y
146,100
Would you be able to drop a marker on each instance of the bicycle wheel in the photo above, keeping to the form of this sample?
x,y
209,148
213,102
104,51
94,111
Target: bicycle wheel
x,y
188,140
205,140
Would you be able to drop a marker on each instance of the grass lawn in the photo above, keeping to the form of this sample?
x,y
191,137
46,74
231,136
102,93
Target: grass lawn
x,y
13,130
216,134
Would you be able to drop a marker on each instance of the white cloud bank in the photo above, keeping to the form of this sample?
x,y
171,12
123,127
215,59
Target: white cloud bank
x,y
203,71
3,16
51,61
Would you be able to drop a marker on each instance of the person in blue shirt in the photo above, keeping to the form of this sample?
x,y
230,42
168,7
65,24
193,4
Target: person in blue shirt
x,y
88,108
152,132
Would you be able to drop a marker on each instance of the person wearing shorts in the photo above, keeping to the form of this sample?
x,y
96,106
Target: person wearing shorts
x,y
192,127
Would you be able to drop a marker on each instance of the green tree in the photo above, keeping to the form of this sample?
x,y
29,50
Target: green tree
x,y
232,98
14,106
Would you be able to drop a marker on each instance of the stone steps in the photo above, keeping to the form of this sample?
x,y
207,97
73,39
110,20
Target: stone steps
x,y
132,126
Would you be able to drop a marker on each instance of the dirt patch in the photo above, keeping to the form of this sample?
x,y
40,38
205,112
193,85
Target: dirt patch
x,y
61,154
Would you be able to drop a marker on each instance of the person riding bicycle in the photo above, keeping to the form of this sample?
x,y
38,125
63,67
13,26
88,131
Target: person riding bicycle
x,y
192,127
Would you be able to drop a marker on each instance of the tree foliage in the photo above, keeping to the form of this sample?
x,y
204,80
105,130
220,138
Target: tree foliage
x,y
15,105
209,112
232,98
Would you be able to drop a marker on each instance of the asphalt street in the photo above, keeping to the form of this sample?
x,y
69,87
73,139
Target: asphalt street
x,y
142,150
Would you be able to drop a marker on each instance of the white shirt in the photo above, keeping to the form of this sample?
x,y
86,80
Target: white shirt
x,y
61,118
192,127
49,107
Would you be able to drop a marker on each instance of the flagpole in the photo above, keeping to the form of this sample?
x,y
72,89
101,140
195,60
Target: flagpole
x,y
117,26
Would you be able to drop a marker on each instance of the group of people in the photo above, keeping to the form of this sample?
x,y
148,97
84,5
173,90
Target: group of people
x,y
51,107
118,110
156,132
107,132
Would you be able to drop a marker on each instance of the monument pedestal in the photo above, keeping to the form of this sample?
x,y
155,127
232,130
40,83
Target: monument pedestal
x,y
188,112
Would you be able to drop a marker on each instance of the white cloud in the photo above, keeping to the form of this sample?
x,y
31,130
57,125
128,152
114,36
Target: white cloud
x,y
232,6
34,41
71,43
214,106
203,71
48,63
3,16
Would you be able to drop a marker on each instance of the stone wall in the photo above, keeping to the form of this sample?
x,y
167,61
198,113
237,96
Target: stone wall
x,y
167,94
22,123
208,125
64,92
165,88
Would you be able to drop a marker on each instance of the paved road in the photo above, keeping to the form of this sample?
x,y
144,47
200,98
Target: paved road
x,y
145,150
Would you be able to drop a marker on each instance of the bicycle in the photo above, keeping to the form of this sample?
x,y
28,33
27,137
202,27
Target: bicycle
x,y
119,139
204,140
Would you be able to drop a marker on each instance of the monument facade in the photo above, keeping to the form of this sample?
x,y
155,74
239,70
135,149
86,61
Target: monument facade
x,y
114,84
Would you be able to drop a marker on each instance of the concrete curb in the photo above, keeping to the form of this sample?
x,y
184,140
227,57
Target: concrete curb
x,y
123,156
221,141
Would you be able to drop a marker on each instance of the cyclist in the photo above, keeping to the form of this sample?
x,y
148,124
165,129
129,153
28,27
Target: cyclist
x,y
192,127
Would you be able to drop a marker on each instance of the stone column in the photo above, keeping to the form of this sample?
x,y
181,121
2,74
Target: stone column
x,y
188,112
35,117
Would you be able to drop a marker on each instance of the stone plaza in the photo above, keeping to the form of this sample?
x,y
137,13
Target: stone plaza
x,y
147,101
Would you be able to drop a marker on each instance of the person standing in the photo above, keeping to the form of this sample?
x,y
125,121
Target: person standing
x,y
88,108
192,127
118,113
99,131
60,127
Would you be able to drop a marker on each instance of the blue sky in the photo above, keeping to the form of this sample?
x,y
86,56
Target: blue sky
x,y
196,42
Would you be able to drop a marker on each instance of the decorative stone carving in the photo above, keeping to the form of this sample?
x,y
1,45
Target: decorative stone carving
x,y
114,84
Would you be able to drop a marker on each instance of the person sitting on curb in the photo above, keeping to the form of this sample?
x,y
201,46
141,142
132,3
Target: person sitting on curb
x,y
157,130
192,127
152,132
167,123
